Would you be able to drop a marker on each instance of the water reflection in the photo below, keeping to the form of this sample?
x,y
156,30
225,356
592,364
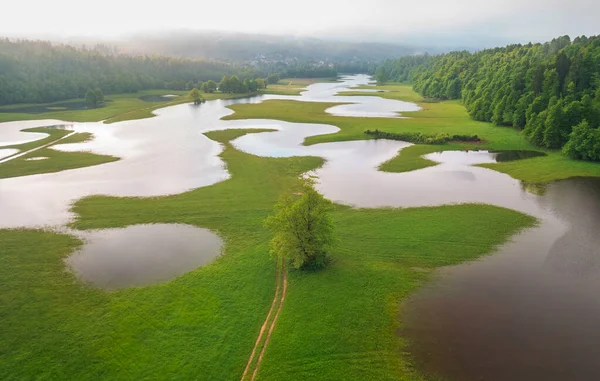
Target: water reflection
x,y
140,255
7,152
11,134
528,312
512,155
167,154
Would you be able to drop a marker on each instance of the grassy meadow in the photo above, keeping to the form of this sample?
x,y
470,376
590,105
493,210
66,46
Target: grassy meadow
x,y
56,160
129,106
435,117
336,324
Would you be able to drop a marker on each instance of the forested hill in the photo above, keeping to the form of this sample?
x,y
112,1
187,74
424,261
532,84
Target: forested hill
x,y
38,71
550,90
245,47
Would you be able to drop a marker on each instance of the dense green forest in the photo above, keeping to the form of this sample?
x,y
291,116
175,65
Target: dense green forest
x,y
38,71
551,91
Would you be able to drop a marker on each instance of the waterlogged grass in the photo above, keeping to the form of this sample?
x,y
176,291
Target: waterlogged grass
x,y
53,134
129,106
411,158
434,118
336,324
398,91
449,117
147,111
56,160
341,323
117,104
293,86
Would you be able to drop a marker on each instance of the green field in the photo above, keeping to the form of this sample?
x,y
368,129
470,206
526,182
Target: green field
x,y
120,107
438,117
56,160
336,324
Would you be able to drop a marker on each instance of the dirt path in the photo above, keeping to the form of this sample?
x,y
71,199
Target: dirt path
x,y
265,335
35,149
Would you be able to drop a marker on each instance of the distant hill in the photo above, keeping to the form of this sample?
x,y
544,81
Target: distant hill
x,y
241,47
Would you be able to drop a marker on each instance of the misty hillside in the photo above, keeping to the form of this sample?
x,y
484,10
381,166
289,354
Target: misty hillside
x,y
263,48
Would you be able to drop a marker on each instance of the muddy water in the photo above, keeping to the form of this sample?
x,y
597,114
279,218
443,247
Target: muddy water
x,y
140,255
528,312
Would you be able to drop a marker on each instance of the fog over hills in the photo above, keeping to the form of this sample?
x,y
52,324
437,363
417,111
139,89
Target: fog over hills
x,y
244,47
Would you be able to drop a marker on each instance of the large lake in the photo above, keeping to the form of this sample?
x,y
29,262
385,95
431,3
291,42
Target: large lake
x,y
529,311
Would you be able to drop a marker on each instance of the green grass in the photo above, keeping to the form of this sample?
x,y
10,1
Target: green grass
x,y
341,323
57,160
293,86
119,104
336,324
399,91
448,117
411,158
121,107
53,134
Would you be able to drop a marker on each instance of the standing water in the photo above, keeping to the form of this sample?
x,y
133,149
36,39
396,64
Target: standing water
x,y
530,311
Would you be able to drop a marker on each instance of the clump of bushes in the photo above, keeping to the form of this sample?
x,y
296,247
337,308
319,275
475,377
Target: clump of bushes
x,y
419,138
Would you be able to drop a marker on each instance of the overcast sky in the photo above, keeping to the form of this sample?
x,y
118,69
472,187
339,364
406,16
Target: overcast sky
x,y
372,20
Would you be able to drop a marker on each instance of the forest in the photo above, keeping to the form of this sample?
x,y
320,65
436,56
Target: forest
x,y
551,91
39,72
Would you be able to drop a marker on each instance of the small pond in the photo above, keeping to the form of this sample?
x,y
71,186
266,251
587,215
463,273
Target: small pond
x,y
482,156
141,255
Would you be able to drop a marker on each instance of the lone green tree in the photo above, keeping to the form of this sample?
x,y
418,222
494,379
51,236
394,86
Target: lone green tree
x,y
196,96
302,229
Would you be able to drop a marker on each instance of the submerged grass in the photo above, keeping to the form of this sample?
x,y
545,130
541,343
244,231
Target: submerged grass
x,y
339,323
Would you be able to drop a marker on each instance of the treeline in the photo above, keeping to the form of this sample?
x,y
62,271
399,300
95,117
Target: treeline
x,y
39,72
551,91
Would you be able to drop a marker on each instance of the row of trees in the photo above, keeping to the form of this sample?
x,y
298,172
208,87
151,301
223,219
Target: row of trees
x,y
551,91
38,71
234,85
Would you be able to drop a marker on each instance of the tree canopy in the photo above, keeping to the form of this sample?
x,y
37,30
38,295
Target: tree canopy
x,y
544,89
39,71
302,229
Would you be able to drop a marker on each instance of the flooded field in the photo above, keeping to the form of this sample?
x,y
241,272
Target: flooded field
x,y
526,312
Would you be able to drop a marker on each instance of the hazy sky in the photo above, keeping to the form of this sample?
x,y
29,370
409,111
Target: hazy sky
x,y
389,20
